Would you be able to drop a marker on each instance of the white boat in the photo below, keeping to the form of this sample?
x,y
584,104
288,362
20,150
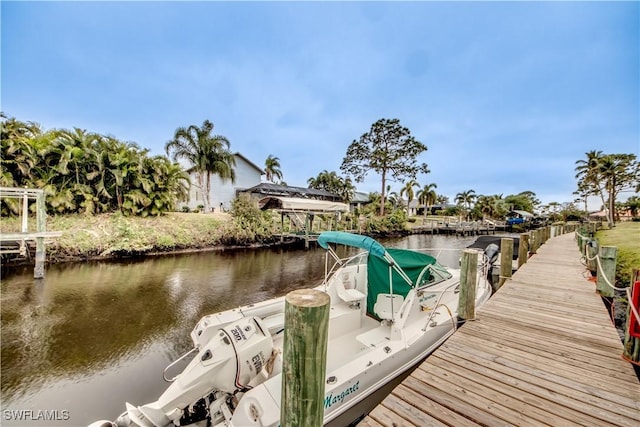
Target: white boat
x,y
390,308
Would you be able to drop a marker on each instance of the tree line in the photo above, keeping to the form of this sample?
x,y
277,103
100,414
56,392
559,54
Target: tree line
x,y
606,176
86,172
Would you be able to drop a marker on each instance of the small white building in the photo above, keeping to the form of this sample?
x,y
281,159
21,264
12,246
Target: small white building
x,y
224,191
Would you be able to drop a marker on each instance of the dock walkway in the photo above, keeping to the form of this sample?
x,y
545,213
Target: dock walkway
x,y
542,351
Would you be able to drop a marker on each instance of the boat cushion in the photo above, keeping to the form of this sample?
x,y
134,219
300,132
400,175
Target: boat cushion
x,y
387,305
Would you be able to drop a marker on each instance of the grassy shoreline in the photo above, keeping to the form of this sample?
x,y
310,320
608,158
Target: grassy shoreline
x,y
111,236
626,237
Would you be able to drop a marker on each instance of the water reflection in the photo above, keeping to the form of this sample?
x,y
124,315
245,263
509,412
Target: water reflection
x,y
90,336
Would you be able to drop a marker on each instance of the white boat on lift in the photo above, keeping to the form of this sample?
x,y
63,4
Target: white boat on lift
x,y
390,308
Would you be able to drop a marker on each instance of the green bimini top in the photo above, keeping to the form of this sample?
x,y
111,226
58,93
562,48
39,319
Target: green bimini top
x,y
349,239
411,263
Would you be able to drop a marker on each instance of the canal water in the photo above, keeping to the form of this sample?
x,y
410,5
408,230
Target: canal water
x,y
90,336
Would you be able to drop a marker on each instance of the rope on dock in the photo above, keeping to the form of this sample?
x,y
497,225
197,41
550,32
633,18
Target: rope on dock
x,y
597,258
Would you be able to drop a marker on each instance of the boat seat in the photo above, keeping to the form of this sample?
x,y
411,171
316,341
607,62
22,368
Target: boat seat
x,y
348,295
387,306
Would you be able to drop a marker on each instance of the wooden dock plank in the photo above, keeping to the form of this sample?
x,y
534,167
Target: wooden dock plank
x,y
575,401
542,351
444,415
576,354
411,413
510,409
454,403
585,399
554,412
386,417
563,368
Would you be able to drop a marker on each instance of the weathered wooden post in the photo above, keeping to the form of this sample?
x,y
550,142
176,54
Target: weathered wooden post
x,y
281,227
307,224
607,255
468,278
41,218
631,348
523,249
534,242
591,251
582,240
25,213
506,260
304,365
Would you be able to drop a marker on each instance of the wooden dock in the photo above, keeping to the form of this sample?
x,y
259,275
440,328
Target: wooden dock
x,y
458,228
541,352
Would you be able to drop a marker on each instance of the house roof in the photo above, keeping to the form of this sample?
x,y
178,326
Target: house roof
x,y
524,214
250,163
270,189
301,204
360,197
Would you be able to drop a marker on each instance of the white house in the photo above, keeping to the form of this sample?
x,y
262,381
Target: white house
x,y
224,191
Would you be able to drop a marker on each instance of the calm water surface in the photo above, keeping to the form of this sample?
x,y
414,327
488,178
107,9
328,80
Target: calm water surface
x,y
90,336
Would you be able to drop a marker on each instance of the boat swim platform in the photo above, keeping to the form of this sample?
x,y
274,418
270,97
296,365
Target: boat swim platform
x,y
542,351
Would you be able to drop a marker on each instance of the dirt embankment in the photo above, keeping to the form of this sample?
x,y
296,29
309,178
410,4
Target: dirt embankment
x,y
116,236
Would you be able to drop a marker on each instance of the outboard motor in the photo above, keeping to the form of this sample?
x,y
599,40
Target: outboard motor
x,y
233,357
491,252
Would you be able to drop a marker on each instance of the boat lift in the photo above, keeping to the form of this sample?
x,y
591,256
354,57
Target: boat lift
x,y
17,242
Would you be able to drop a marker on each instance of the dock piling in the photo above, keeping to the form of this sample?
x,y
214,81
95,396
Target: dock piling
x,y
506,260
468,273
523,249
607,273
306,329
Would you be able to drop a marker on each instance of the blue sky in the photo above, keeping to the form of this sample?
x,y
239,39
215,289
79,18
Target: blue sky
x,y
506,96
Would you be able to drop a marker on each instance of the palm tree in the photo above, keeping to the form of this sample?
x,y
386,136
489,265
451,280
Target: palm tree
x,y
324,181
427,196
394,198
208,154
18,153
442,199
272,168
408,190
491,206
485,204
607,169
588,174
466,198
333,183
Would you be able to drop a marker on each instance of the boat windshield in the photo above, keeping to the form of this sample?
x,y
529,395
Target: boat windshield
x,y
358,259
432,274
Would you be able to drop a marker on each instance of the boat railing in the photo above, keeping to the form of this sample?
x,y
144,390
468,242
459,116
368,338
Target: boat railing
x,y
338,262
484,265
437,304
